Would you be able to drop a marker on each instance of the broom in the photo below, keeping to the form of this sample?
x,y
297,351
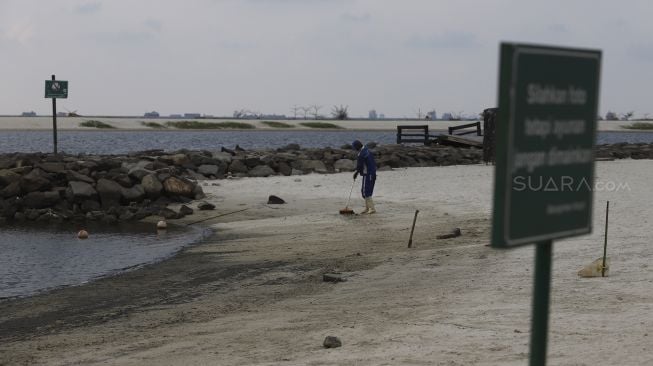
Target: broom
x,y
347,210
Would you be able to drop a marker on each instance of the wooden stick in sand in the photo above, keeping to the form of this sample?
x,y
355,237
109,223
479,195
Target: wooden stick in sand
x,y
410,241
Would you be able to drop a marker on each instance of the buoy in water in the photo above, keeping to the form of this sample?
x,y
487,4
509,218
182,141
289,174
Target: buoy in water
x,y
82,234
162,225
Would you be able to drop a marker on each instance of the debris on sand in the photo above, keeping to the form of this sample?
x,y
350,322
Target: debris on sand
x,y
333,277
275,200
332,342
453,234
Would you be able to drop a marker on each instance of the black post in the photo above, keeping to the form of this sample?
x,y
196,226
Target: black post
x,y
541,290
410,241
54,121
605,240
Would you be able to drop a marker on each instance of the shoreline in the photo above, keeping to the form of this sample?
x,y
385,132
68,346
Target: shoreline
x,y
134,124
253,294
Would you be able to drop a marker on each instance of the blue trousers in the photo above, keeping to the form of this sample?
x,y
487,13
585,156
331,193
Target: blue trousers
x,y
368,185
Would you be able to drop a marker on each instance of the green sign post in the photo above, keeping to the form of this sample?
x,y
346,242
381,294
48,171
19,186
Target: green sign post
x,y
548,101
55,89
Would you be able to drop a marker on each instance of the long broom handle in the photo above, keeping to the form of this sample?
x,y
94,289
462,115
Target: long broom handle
x,y
350,191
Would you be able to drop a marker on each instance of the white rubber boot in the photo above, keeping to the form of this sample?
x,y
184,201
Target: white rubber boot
x,y
367,207
370,206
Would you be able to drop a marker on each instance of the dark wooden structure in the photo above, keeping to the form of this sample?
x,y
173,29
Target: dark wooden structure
x,y
469,125
489,137
414,134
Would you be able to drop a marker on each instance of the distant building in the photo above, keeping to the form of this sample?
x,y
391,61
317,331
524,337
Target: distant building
x,y
153,114
611,116
62,114
447,116
175,116
432,115
29,114
381,116
192,115
372,114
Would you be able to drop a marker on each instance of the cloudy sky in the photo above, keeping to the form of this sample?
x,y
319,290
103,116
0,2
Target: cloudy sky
x,y
215,56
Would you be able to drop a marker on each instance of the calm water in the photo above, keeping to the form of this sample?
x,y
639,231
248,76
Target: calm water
x,y
118,142
39,258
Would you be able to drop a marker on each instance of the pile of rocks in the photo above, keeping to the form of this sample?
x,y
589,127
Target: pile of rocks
x,y
625,151
114,188
134,186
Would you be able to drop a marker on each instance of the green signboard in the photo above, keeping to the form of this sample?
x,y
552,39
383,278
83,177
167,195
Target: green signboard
x,y
56,89
548,101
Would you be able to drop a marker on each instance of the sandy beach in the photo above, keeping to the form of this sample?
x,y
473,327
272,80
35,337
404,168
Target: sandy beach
x,y
72,123
253,293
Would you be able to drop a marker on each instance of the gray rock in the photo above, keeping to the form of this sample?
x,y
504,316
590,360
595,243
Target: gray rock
x,y
296,172
253,161
185,210
138,173
332,342
110,193
133,194
7,177
72,175
208,169
195,176
11,190
285,169
53,167
275,200
123,180
90,205
310,166
36,180
291,147
168,214
80,191
152,186
261,171
205,206
179,187
198,193
333,277
41,199
224,157
237,166
344,165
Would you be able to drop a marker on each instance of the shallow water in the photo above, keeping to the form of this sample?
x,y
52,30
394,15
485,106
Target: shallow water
x,y
120,142
35,259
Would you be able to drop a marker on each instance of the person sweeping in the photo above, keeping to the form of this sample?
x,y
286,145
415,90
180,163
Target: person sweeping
x,y
366,167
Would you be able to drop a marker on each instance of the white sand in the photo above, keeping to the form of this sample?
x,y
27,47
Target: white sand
x,y
72,123
444,302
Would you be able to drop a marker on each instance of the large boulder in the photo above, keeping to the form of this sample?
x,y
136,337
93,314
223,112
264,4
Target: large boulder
x,y
51,167
36,180
207,169
110,193
138,173
41,199
152,186
223,157
72,175
7,177
79,191
344,165
261,171
133,194
178,187
237,166
310,165
11,190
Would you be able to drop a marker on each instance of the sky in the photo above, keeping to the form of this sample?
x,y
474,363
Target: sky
x,y
127,57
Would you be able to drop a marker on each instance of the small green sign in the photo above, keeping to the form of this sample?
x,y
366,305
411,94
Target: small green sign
x,y
56,89
548,100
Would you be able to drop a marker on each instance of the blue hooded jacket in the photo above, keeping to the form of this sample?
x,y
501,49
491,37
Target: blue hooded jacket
x,y
366,164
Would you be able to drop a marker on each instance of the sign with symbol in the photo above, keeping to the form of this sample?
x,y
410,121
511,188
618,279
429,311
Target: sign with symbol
x,y
56,89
